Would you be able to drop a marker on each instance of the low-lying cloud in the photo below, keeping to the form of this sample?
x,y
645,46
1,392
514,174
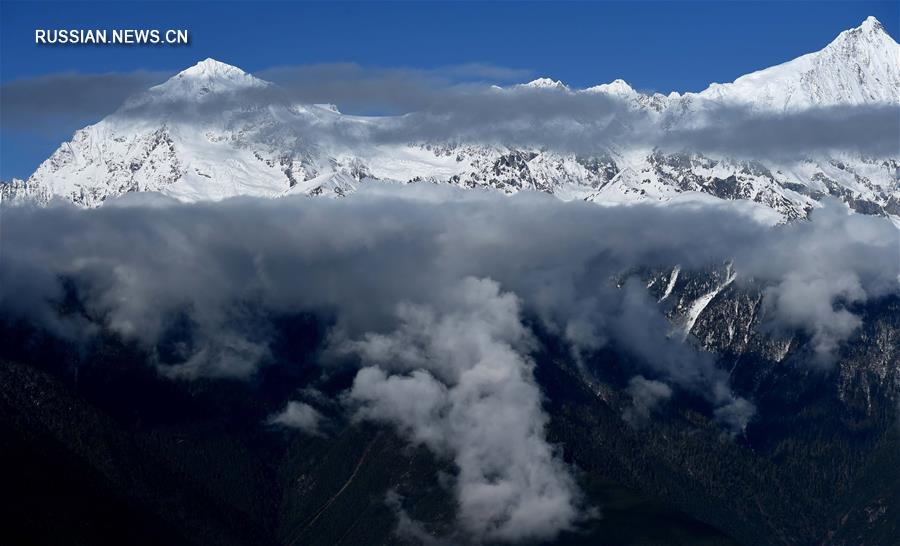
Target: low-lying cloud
x,y
431,291
298,415
457,378
870,130
646,396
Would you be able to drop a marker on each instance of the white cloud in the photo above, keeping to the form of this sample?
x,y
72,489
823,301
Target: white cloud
x,y
298,415
456,376
646,395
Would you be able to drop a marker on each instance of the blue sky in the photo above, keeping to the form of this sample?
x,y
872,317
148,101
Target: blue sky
x,y
662,46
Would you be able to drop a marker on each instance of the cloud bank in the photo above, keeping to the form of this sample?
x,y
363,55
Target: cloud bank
x,y
431,291
563,121
456,105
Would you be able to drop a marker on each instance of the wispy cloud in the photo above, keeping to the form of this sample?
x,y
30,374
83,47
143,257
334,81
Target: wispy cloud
x,y
69,99
456,104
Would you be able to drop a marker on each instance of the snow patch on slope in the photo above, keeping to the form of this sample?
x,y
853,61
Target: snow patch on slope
x,y
700,303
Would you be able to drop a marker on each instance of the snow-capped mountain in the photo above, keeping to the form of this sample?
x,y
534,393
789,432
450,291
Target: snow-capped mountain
x,y
861,66
214,131
545,83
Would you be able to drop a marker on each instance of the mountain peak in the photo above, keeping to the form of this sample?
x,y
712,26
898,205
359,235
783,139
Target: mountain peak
x,y
871,31
546,83
858,67
205,77
210,67
871,24
616,87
